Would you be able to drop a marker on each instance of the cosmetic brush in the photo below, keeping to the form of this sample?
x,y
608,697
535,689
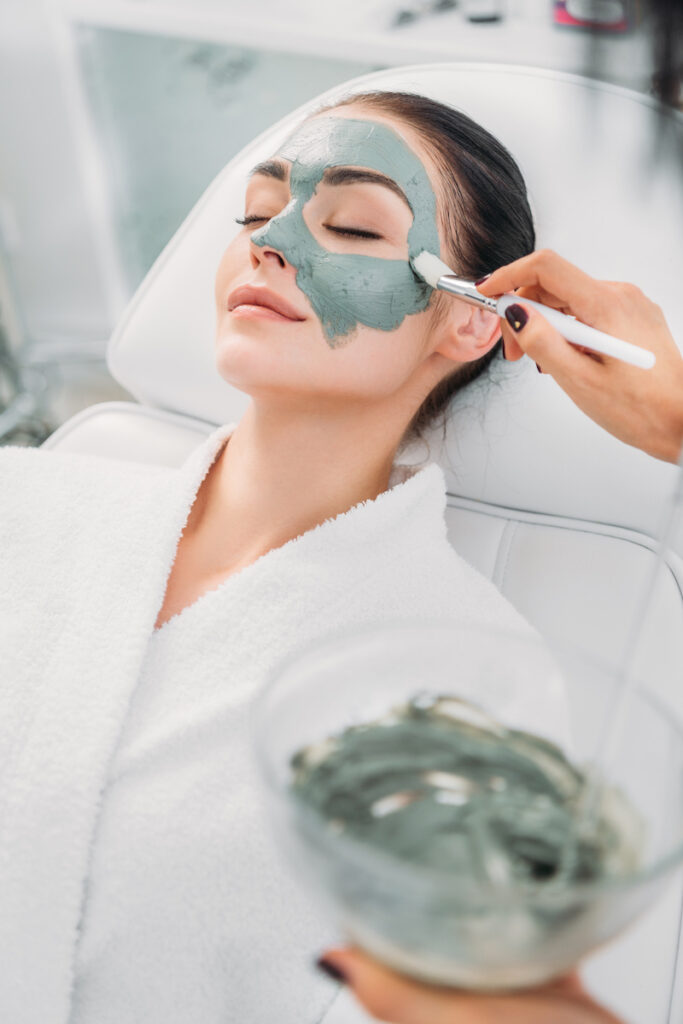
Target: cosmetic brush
x,y
437,274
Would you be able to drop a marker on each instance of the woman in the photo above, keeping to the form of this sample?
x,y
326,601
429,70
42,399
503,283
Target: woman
x,y
147,605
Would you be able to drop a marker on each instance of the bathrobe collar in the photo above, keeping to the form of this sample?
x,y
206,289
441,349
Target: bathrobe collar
x,y
410,510
409,487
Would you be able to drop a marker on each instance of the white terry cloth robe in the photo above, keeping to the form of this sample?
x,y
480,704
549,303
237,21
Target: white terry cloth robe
x,y
138,878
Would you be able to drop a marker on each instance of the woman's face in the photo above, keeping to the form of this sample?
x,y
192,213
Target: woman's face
x,y
332,221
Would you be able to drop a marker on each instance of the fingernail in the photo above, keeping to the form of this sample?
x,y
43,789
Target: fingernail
x,y
482,279
330,969
539,368
516,316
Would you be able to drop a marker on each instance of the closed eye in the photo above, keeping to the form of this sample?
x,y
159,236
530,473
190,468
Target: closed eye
x,y
352,232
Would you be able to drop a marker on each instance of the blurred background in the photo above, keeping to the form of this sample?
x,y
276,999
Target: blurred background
x,y
115,115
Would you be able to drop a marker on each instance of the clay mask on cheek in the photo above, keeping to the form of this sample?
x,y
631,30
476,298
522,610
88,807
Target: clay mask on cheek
x,y
347,289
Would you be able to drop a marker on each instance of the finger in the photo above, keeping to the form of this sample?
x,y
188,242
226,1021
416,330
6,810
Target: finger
x,y
552,275
539,294
542,268
511,348
545,345
389,996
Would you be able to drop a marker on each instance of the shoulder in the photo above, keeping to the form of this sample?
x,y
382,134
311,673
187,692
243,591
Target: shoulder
x,y
40,482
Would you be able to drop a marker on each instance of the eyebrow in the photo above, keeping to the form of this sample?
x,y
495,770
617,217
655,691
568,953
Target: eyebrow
x,y
334,176
351,175
271,169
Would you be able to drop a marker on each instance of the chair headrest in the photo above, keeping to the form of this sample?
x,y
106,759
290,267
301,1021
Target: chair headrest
x,y
600,197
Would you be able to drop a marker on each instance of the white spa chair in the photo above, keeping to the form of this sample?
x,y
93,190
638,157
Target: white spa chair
x,y
560,515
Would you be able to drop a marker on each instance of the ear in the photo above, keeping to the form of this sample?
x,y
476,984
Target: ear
x,y
469,336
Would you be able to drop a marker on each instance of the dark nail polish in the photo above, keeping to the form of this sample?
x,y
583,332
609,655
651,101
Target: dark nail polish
x,y
330,969
482,279
539,368
516,316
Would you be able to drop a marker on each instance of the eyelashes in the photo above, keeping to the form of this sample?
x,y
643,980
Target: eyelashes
x,y
249,220
346,232
353,232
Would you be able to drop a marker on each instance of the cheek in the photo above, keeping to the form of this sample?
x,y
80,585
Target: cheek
x,y
346,291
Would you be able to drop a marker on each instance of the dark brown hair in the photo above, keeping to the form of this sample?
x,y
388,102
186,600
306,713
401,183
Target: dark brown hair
x,y
486,216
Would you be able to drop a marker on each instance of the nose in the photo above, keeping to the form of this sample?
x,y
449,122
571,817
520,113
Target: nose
x,y
266,254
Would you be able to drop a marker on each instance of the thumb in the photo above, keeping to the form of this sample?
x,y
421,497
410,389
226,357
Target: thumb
x,y
542,342
390,996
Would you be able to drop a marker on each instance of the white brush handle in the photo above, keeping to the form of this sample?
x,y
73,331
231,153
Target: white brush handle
x,y
582,334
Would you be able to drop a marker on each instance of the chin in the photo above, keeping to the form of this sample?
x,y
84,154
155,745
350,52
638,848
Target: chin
x,y
237,368
246,365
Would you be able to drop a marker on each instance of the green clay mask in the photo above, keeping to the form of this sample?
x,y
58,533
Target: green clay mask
x,y
347,289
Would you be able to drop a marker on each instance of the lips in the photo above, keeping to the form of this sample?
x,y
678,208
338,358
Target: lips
x,y
252,295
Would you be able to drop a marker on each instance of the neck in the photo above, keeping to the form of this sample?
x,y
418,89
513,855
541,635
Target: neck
x,y
281,474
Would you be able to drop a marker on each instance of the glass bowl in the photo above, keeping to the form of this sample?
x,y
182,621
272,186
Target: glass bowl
x,y
471,930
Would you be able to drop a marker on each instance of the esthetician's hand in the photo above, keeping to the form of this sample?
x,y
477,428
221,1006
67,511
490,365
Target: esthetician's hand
x,y
392,997
644,408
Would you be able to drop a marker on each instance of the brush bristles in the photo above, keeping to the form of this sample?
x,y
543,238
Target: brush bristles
x,y
429,267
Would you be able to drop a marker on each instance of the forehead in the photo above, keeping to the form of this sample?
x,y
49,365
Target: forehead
x,y
331,141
